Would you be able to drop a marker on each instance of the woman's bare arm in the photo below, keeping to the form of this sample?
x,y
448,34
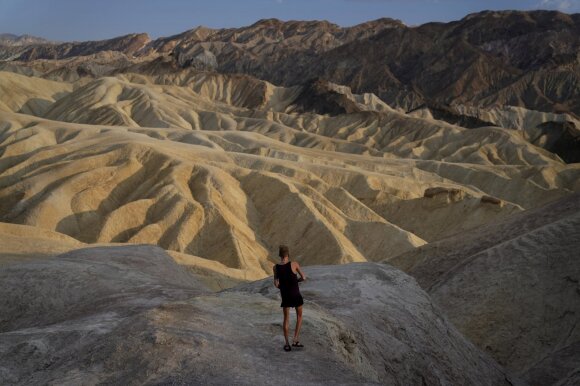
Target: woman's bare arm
x,y
276,281
302,275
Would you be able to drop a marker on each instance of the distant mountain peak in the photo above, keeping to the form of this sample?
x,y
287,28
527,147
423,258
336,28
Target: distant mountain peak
x,y
8,39
269,21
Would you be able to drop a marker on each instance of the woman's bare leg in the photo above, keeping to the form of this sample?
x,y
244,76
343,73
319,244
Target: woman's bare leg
x,y
286,325
298,323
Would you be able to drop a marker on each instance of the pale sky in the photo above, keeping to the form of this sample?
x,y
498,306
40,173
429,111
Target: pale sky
x,y
66,20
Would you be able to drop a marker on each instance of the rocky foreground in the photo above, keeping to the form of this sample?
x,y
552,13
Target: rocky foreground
x,y
131,315
512,288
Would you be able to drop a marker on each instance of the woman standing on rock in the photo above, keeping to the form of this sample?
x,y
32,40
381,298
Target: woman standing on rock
x,y
286,280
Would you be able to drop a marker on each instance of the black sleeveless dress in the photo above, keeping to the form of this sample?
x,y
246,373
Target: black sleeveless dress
x,y
289,290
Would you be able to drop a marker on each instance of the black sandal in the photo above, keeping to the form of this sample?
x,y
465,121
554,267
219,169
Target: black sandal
x,y
297,344
287,348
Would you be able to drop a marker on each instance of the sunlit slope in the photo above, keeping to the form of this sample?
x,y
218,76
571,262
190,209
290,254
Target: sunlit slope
x,y
112,185
223,167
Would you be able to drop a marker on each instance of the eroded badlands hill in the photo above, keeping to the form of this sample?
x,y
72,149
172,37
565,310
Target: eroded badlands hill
x,y
225,168
105,146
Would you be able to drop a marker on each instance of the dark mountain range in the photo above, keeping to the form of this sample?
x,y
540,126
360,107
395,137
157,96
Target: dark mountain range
x,y
487,59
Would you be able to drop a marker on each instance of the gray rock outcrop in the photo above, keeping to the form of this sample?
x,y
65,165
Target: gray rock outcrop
x,y
512,288
130,315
